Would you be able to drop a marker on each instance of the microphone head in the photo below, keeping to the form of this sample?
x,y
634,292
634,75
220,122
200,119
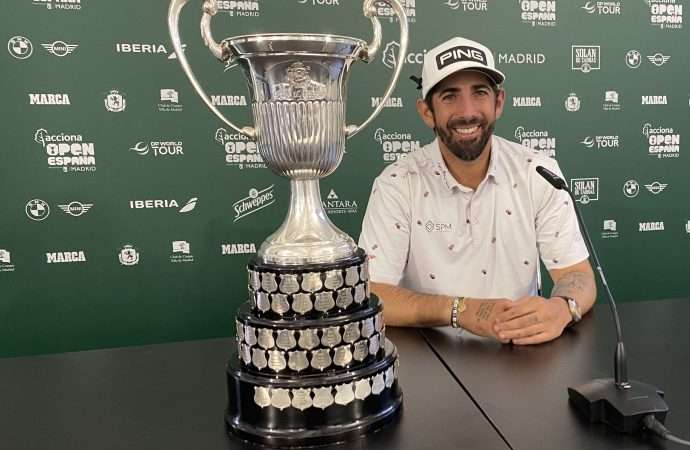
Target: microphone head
x,y
553,179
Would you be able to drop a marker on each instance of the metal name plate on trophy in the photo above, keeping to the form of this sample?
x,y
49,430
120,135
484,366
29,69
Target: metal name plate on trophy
x,y
310,337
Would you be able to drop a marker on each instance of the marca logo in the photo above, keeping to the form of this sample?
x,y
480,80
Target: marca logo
x,y
255,201
658,59
65,257
467,5
238,249
586,58
538,12
6,261
335,205
164,204
383,9
610,231
170,101
181,252
585,190
76,209
611,102
572,102
239,8
158,148
74,5
655,187
115,101
60,48
20,47
663,142
603,8
438,227
395,146
654,100
601,142
666,14
240,151
49,99
631,188
68,152
228,100
128,256
139,48
390,56
521,58
526,102
651,226
392,102
537,140
37,210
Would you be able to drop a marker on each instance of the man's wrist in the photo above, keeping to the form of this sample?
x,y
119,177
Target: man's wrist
x,y
572,309
458,307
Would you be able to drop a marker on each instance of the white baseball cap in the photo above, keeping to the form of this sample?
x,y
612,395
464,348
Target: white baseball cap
x,y
457,54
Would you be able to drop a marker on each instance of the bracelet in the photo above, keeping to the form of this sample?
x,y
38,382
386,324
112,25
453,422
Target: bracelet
x,y
458,307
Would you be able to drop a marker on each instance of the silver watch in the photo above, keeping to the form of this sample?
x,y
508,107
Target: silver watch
x,y
573,307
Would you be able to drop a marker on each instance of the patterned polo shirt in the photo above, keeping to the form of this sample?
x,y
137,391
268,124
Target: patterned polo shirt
x,y
426,232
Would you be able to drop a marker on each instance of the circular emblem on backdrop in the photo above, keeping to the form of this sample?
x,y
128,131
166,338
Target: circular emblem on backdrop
x,y
631,188
128,256
37,210
20,47
633,59
572,102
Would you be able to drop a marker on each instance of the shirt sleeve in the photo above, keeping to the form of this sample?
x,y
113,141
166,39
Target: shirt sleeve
x,y
386,228
558,234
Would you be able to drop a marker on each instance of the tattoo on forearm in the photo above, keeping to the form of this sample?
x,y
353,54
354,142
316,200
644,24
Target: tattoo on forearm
x,y
571,284
484,311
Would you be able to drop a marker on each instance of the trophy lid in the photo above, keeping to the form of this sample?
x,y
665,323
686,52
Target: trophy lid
x,y
277,44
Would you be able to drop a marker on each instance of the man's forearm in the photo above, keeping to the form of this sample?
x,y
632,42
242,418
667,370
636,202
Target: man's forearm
x,y
578,285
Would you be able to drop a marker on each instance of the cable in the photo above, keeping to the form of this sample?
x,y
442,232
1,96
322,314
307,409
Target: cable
x,y
651,423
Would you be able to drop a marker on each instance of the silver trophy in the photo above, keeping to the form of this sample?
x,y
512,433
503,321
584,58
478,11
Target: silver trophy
x,y
298,87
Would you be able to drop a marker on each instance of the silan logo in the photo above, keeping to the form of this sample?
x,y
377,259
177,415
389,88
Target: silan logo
x,y
526,102
60,48
654,100
68,152
65,257
239,8
585,190
599,142
240,151
383,9
159,148
395,146
238,249
255,201
467,5
537,140
73,5
611,102
76,209
603,8
540,13
49,99
138,48
228,100
392,102
390,56
585,58
335,205
651,226
189,206
521,58
665,14
663,142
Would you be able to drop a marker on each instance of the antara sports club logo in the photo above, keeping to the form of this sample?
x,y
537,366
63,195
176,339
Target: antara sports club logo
x,y
67,151
335,205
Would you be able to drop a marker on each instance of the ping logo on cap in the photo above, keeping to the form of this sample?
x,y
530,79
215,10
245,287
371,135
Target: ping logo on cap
x,y
459,54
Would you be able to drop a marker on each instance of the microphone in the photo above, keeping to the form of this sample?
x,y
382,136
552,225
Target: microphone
x,y
618,402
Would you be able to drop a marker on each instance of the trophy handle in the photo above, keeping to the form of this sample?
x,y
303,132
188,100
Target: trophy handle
x,y
372,49
217,49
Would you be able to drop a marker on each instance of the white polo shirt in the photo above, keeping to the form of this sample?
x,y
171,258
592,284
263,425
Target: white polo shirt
x,y
426,232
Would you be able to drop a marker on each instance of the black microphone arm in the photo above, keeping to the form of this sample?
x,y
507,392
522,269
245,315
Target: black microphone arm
x,y
621,403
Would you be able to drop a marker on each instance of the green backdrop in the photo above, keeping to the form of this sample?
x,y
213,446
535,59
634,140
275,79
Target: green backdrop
x,y
163,179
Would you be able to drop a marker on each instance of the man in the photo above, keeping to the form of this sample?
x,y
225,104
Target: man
x,y
454,232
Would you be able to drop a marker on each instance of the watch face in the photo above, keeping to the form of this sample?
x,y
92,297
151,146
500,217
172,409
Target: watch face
x,y
574,310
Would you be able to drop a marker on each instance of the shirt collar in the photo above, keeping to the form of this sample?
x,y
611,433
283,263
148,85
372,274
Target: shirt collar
x,y
440,168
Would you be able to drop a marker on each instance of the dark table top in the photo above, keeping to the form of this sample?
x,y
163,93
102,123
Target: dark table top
x,y
523,389
172,396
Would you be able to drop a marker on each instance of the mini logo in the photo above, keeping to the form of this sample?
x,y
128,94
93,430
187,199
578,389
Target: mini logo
x,y
521,58
611,102
170,101
438,227
663,142
49,99
128,256
586,58
240,151
74,5
137,48
654,100
526,102
76,209
395,146
239,8
68,152
115,101
665,14
228,100
6,261
631,188
538,140
656,187
181,252
390,56
160,148
605,8
610,231
585,190
20,47
538,13
37,210
658,59
601,142
572,102
335,205
633,59
255,201
467,5
60,48
651,226
392,102
238,249
65,257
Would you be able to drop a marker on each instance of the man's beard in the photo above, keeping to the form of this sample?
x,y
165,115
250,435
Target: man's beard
x,y
465,150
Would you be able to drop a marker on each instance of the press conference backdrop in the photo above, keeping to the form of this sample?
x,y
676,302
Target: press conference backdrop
x,y
129,210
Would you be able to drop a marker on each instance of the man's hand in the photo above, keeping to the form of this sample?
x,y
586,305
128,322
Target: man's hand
x,y
532,320
482,314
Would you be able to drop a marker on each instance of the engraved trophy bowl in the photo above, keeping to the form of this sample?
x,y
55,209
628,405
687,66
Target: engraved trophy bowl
x,y
298,90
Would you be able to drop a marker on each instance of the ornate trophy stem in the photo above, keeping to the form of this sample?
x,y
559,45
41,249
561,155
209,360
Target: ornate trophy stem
x,y
307,235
